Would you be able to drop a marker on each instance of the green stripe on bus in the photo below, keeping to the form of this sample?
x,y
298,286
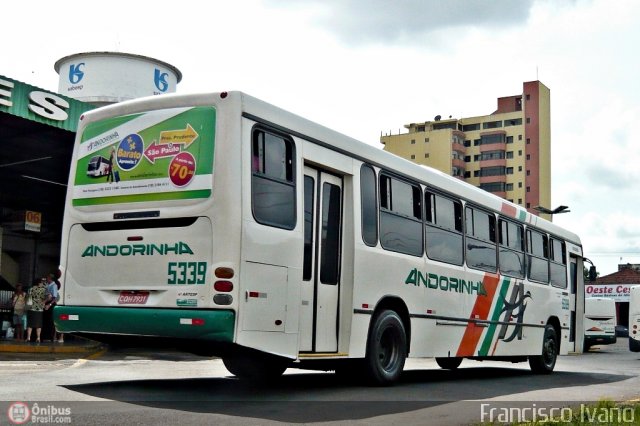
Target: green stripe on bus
x,y
491,330
216,325
137,198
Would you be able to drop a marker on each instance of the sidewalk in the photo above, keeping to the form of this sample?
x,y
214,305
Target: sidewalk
x,y
72,346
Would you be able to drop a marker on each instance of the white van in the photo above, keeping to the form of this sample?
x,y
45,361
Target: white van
x,y
599,322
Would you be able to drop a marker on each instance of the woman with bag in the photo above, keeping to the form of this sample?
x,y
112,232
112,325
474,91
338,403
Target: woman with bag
x,y
19,303
37,294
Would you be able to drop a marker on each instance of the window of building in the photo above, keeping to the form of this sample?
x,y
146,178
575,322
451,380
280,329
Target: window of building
x,y
467,158
492,124
400,216
528,97
470,127
369,205
413,141
426,140
467,174
426,155
492,155
528,120
480,243
528,189
413,156
467,143
513,122
493,171
509,170
519,184
520,201
509,139
509,155
519,168
528,156
528,172
511,252
491,139
273,179
509,187
443,228
476,173
519,137
558,263
537,256
420,128
528,141
476,142
493,186
519,153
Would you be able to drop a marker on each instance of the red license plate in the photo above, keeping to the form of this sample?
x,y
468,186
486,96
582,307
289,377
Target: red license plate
x,y
133,297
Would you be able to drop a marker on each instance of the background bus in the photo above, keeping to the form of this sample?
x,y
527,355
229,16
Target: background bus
x,y
244,231
634,319
98,166
599,322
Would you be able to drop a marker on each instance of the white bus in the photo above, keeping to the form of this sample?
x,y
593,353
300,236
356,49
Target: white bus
x,y
98,166
244,231
599,322
634,319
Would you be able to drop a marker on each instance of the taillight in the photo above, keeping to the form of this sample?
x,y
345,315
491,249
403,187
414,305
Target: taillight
x,y
223,286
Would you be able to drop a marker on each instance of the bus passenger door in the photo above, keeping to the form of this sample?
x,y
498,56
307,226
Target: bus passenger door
x,y
321,267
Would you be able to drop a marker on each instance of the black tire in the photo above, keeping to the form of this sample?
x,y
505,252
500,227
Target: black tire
x,y
544,363
256,367
586,347
386,349
451,363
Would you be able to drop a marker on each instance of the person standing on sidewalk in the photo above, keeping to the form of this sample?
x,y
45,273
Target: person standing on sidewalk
x,y
19,303
49,330
37,293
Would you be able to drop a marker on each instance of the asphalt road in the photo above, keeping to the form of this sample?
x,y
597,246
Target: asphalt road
x,y
140,387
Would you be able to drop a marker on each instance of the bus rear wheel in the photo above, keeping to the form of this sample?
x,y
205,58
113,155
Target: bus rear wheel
x,y
386,349
255,367
544,363
449,363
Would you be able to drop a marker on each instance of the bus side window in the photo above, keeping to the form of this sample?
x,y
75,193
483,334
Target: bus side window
x,y
511,258
481,240
537,255
443,229
558,264
369,207
400,216
272,182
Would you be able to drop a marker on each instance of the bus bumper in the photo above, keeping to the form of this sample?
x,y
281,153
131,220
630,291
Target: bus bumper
x,y
212,325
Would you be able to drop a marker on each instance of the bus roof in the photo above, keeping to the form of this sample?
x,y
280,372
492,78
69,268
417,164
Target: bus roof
x,y
301,127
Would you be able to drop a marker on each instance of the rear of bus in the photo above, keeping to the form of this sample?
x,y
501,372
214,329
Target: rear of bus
x,y
150,251
634,319
599,322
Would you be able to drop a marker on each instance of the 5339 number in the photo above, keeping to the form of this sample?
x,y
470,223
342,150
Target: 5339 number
x,y
186,272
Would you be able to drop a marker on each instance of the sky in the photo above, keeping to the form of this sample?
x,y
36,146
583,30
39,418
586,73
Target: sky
x,y
367,67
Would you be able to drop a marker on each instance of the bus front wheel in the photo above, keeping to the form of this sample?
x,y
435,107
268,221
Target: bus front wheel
x,y
386,349
544,363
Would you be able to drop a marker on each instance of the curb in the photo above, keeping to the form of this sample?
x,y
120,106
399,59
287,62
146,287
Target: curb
x,y
49,348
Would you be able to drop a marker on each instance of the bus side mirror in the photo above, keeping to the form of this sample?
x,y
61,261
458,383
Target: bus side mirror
x,y
593,274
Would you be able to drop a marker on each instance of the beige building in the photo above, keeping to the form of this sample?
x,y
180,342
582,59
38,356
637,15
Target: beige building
x,y
507,153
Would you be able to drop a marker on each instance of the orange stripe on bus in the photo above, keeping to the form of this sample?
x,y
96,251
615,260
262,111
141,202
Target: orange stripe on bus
x,y
480,310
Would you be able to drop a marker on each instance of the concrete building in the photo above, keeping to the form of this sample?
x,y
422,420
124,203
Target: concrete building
x,y
507,152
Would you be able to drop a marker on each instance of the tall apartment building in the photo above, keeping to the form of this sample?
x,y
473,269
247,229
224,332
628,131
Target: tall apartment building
x,y
507,153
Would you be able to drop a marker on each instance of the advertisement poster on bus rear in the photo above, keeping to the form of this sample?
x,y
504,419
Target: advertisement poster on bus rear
x,y
154,156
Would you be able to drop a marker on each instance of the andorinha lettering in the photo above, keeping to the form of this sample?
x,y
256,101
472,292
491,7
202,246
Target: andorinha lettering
x,y
444,283
137,250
